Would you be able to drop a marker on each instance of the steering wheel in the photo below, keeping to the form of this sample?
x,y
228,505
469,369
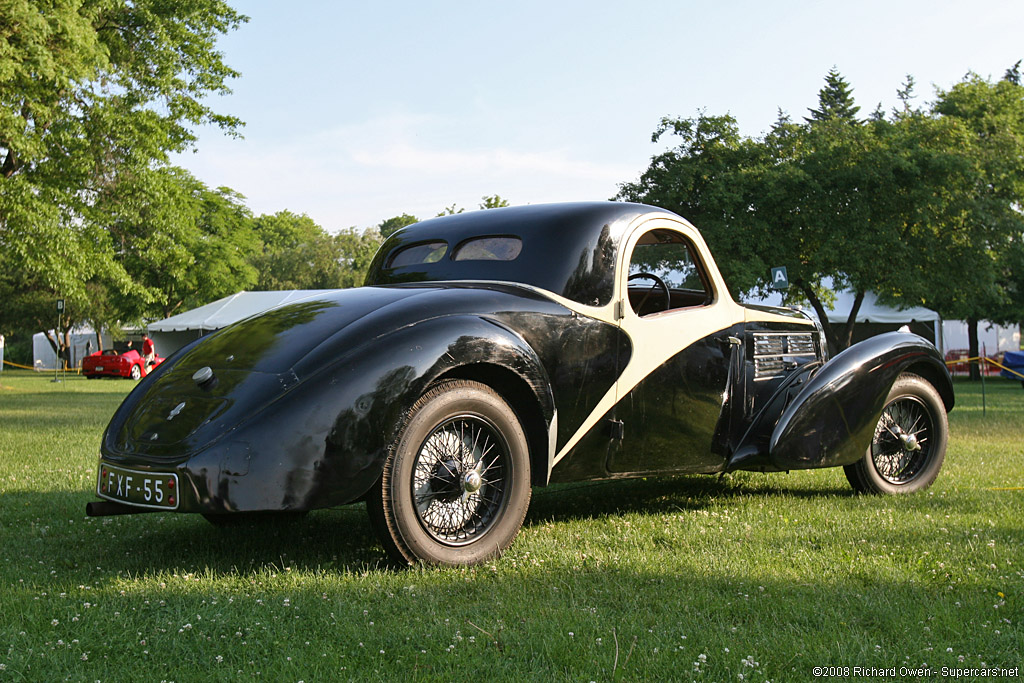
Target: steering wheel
x,y
658,283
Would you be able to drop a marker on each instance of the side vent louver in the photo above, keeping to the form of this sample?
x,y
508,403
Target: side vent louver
x,y
774,351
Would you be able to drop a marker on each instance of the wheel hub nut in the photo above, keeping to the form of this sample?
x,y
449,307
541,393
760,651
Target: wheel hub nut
x,y
909,442
472,482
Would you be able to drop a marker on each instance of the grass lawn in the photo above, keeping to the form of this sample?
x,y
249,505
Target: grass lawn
x,y
752,577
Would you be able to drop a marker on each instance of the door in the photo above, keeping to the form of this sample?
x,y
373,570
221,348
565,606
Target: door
x,y
674,397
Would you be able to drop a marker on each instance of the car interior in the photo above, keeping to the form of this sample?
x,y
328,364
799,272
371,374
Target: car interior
x,y
665,274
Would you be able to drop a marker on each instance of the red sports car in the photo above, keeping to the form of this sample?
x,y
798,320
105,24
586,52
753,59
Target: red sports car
x,y
111,363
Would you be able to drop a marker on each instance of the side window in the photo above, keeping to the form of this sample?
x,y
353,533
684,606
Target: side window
x,y
418,254
489,249
665,274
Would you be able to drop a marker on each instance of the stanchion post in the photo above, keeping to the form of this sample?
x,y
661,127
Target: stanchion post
x,y
984,368
56,332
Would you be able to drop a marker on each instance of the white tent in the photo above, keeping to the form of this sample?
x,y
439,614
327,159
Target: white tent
x,y
992,338
172,333
874,318
82,340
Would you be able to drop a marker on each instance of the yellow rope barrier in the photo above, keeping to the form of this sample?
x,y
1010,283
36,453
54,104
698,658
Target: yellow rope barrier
x,y
987,360
23,367
1000,365
40,369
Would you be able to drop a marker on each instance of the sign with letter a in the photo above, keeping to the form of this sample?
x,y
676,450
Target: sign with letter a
x,y
780,280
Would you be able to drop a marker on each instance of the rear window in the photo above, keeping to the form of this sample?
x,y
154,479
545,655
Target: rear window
x,y
489,249
416,254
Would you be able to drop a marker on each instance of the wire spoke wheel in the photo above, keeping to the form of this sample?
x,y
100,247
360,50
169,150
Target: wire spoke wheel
x,y
458,482
902,440
909,441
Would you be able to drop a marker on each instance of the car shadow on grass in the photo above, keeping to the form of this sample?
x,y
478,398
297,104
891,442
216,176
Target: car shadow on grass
x,y
663,495
55,532
336,538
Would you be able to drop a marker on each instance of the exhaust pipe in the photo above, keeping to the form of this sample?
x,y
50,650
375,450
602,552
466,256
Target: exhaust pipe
x,y
107,508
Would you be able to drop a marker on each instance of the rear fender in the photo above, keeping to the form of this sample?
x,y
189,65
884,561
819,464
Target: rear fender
x,y
372,388
832,420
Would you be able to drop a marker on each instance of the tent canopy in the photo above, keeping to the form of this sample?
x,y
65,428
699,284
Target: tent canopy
x,y
172,333
230,309
870,310
873,312
875,318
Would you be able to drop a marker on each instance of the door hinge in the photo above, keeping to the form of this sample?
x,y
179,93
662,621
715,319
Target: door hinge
x,y
616,430
620,309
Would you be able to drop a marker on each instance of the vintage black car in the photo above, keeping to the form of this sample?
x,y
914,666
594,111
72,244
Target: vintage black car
x,y
494,351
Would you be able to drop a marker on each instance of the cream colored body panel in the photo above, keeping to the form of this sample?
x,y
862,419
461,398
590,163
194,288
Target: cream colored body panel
x,y
657,338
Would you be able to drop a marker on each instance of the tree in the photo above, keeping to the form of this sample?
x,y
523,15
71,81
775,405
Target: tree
x,y
181,243
392,225
357,249
708,178
92,95
986,239
450,211
493,202
858,205
296,253
835,100
793,198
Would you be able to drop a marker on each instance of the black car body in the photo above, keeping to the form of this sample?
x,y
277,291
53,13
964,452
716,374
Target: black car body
x,y
498,350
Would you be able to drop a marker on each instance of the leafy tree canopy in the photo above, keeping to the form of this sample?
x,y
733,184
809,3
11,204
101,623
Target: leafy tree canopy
x,y
890,205
93,97
493,202
835,100
392,225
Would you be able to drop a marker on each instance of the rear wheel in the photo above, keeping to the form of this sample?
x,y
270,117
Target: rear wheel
x,y
456,484
909,443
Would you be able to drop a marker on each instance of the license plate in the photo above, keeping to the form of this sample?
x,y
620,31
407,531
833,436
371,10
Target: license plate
x,y
99,368
145,489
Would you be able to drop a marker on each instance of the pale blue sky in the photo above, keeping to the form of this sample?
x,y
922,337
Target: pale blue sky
x,y
360,111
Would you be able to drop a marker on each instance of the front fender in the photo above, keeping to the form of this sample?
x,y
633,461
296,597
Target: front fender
x,y
832,420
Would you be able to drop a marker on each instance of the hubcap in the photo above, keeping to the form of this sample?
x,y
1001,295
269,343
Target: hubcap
x,y
472,482
909,442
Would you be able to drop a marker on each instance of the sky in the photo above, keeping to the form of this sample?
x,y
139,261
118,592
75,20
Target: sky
x,y
356,112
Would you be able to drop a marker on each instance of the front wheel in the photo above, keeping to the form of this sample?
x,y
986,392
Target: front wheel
x,y
136,372
456,484
909,443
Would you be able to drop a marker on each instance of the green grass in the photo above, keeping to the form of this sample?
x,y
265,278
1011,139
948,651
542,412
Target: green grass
x,y
632,580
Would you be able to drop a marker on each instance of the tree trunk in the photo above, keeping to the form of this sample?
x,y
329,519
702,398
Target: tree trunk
x,y
847,338
972,350
54,339
830,333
